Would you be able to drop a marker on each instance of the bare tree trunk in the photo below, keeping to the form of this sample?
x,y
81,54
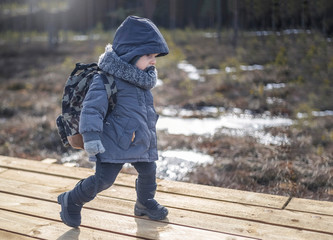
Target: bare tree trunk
x,y
219,20
52,29
149,8
172,14
283,11
303,15
324,26
274,6
65,26
89,16
235,37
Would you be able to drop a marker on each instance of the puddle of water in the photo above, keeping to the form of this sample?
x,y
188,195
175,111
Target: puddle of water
x,y
234,124
202,112
322,113
192,71
230,69
271,86
254,67
196,74
316,114
175,164
211,71
274,100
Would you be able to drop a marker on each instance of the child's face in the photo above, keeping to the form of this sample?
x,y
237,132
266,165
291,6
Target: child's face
x,y
146,61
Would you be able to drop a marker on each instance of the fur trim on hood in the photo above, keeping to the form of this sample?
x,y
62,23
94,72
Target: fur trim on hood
x,y
114,65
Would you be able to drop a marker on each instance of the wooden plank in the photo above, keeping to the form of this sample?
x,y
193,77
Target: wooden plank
x,y
306,205
232,219
118,191
181,188
182,217
13,236
258,214
25,226
111,222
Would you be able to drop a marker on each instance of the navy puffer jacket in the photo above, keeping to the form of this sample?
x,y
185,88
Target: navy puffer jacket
x,y
134,111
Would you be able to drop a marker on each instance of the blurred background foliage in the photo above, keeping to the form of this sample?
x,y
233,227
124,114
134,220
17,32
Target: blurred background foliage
x,y
280,24
54,16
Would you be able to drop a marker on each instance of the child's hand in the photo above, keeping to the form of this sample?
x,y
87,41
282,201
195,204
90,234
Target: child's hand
x,y
94,147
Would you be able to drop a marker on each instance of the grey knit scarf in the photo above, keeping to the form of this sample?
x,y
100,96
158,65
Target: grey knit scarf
x,y
111,63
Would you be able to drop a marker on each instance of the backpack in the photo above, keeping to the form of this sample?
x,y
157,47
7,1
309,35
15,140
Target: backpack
x,y
75,90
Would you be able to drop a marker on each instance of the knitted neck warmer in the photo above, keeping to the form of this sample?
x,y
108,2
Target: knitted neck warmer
x,y
112,64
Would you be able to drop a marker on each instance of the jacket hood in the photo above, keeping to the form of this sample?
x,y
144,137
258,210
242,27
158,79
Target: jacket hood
x,y
138,36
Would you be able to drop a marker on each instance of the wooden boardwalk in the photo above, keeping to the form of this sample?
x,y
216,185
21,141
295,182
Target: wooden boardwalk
x,y
28,209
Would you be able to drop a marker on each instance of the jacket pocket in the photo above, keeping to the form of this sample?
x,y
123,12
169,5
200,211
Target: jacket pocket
x,y
124,128
128,135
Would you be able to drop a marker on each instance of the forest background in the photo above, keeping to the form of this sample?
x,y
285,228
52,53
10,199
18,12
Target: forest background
x,y
269,58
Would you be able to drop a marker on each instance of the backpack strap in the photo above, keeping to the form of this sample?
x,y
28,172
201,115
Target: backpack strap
x,y
111,89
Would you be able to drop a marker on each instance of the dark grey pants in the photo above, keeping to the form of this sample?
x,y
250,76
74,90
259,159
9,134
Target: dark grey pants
x,y
105,175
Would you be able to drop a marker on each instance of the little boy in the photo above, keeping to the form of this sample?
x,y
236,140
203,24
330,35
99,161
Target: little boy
x,y
128,133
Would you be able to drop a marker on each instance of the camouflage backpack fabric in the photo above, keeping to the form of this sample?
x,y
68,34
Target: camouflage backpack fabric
x,y
75,90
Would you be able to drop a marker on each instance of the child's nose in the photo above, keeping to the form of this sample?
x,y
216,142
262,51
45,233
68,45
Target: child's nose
x,y
153,61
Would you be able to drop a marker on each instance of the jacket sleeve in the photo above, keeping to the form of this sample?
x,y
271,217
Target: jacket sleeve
x,y
95,106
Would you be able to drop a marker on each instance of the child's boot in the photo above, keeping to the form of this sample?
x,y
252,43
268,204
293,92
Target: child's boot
x,y
146,204
71,206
